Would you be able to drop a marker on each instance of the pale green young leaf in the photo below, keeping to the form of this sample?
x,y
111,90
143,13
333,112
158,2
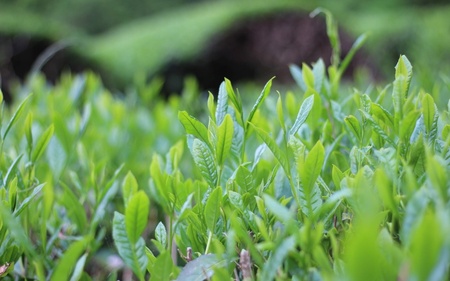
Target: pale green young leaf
x,y
273,146
201,268
136,215
56,156
308,76
403,68
303,113
281,212
129,187
265,92
437,172
211,106
162,268
204,160
15,116
28,130
310,170
377,128
222,104
276,259
212,208
407,125
79,268
161,234
42,143
69,260
244,179
11,170
134,256
280,113
428,243
75,210
101,208
319,74
193,126
237,142
297,74
354,127
224,139
333,36
28,199
385,190
428,111
381,113
235,99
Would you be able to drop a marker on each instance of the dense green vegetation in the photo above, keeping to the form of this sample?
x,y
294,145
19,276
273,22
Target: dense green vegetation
x,y
321,183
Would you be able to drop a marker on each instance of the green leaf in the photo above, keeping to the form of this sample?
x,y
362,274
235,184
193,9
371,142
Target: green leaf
x,y
407,125
162,268
319,74
359,42
222,104
136,215
75,210
428,111
15,116
202,268
265,92
297,74
354,127
271,267
11,170
134,256
403,73
27,200
377,128
310,170
303,113
79,268
211,106
281,212
244,179
437,172
224,139
212,208
193,126
235,100
129,187
403,68
69,260
308,76
161,234
273,146
42,143
204,160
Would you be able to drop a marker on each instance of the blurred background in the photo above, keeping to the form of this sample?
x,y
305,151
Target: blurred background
x,y
137,40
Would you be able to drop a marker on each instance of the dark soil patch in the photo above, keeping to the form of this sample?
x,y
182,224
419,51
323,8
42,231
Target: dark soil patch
x,y
254,49
260,48
20,53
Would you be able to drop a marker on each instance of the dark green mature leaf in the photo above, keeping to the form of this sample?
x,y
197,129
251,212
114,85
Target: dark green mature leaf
x,y
136,215
204,160
271,267
201,268
193,126
265,92
212,208
133,255
42,143
69,260
303,113
224,139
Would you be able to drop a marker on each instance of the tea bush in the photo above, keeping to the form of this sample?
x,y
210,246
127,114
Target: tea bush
x,y
324,183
